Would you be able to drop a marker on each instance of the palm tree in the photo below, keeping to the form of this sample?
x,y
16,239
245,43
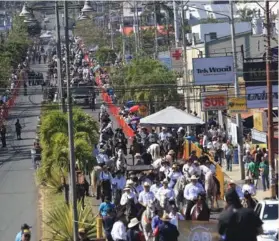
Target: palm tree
x,y
60,222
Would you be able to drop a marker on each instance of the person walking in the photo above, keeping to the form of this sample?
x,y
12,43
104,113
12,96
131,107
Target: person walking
x,y
227,148
118,232
105,206
3,135
134,233
167,231
18,129
108,222
19,234
236,222
253,172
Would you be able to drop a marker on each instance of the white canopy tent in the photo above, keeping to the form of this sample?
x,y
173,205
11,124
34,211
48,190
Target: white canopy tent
x,y
171,116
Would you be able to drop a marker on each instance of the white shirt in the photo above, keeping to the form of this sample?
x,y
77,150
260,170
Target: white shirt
x,y
154,188
119,183
138,189
126,196
185,169
146,197
167,192
118,231
175,217
194,170
102,158
165,169
250,188
105,176
191,191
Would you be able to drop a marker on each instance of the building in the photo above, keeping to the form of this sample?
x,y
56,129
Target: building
x,y
216,30
248,45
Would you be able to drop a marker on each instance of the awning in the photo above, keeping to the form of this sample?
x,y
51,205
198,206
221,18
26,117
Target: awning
x,y
171,117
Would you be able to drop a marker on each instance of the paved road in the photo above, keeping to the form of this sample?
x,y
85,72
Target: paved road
x,y
18,192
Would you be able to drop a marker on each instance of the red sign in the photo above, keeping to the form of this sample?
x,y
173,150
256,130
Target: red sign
x,y
214,100
176,54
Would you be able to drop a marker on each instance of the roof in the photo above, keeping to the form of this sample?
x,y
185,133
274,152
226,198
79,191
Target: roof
x,y
171,116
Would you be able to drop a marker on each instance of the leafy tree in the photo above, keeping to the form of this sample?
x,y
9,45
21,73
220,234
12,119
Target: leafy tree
x,y
105,54
246,14
55,144
60,222
145,80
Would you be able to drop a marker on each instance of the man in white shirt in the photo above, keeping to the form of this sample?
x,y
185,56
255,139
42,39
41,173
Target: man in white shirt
x,y
156,186
102,158
191,192
249,187
174,175
163,135
146,196
118,184
118,232
165,192
128,195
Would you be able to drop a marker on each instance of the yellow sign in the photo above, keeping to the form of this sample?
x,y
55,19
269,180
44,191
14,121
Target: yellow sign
x,y
237,104
260,121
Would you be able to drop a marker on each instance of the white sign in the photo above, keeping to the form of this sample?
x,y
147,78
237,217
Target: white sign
x,y
213,71
259,136
177,59
257,96
214,100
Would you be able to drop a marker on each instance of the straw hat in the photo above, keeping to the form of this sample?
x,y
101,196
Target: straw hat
x,y
232,182
134,222
165,181
193,177
171,152
126,188
165,217
129,183
138,155
146,184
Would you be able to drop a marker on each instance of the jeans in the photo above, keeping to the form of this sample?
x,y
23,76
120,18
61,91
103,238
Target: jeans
x,y
229,162
265,181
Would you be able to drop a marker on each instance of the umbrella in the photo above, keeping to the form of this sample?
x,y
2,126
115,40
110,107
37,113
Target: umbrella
x,y
136,118
134,108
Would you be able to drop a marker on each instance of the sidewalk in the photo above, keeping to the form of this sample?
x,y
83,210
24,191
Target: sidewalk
x,y
235,175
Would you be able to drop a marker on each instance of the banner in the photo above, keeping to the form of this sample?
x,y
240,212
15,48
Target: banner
x,y
260,121
254,73
213,71
257,96
214,100
237,105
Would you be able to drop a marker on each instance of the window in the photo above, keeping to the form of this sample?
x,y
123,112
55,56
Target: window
x,y
270,212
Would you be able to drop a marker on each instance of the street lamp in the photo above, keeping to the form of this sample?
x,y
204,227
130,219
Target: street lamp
x,y
87,8
25,12
82,16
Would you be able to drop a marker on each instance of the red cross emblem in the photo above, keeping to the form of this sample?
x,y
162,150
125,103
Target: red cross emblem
x,y
176,54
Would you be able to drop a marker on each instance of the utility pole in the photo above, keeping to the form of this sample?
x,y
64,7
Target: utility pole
x,y
185,63
70,128
123,40
176,29
58,47
237,94
156,33
135,27
270,133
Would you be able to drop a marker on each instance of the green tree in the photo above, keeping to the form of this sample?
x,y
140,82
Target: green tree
x,y
105,54
246,14
146,80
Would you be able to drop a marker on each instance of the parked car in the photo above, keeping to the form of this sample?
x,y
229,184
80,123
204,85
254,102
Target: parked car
x,y
267,211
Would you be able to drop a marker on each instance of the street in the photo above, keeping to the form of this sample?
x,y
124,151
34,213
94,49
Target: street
x,y
18,190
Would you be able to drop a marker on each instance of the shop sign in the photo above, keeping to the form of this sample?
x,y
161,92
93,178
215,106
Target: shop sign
x,y
213,71
259,136
237,105
260,121
214,100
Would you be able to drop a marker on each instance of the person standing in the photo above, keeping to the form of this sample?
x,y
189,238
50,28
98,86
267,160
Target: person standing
x,y
3,135
18,129
108,222
264,172
227,148
253,172
105,180
236,222
118,232
166,230
105,206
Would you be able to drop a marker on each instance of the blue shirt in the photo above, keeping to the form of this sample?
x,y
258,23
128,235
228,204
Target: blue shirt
x,y
104,207
156,221
18,236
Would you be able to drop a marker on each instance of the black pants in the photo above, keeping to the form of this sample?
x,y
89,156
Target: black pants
x,y
3,139
18,135
190,204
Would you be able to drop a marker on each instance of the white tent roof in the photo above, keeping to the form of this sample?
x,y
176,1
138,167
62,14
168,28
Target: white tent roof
x,y
171,116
